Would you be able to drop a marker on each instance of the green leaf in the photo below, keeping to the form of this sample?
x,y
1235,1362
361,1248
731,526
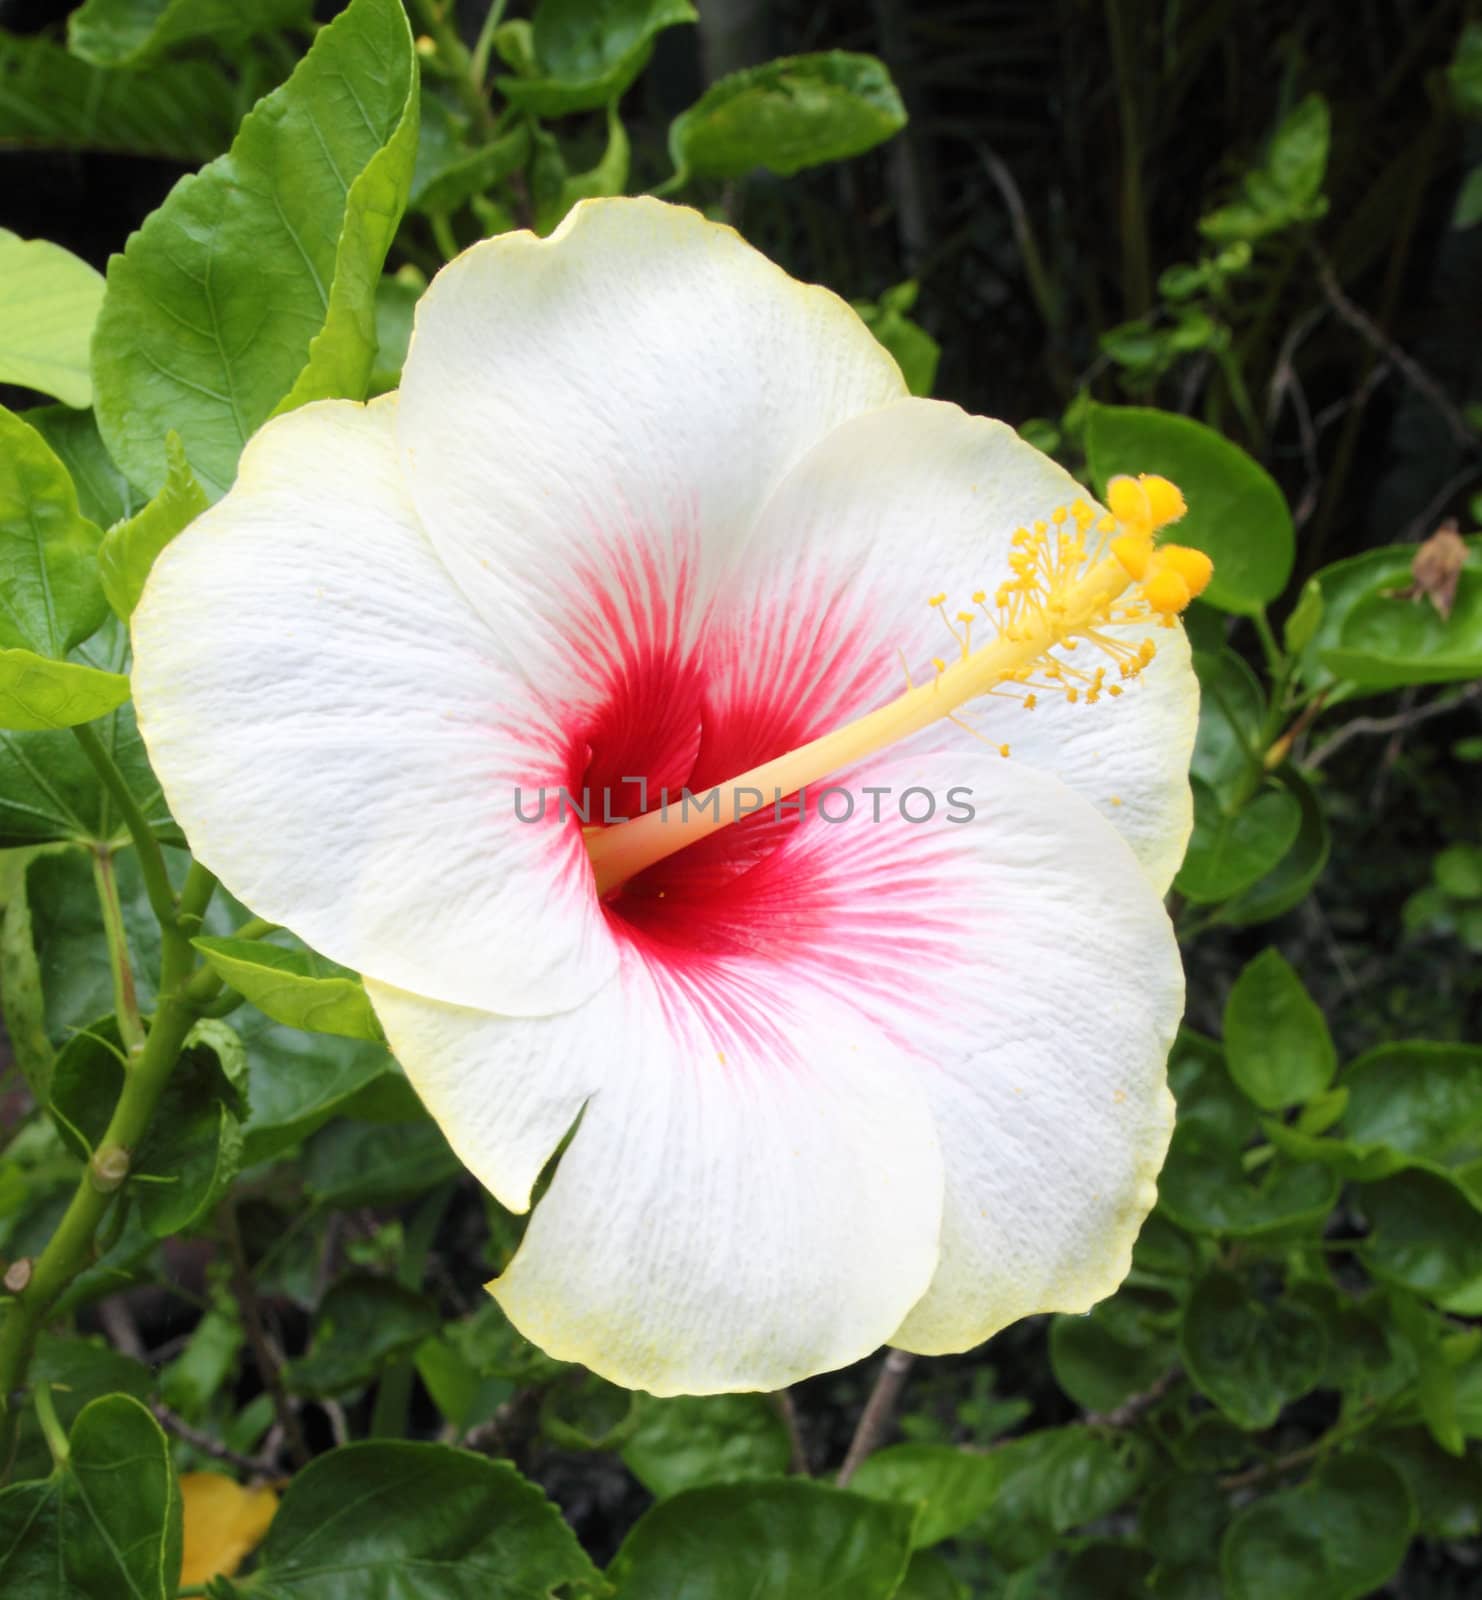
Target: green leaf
x,y
129,550
119,33
1305,617
1205,1188
1277,1043
1251,1359
1467,212
422,1521
1290,881
1373,638
36,693
1464,75
461,1393
366,1163
79,1371
364,1325
1237,515
1423,1100
396,303
49,301
291,987
688,1442
1112,1352
1233,850
1458,870
183,111
929,1578
581,54
50,600
104,495
787,1541
584,1412
1425,1234
792,113
555,191
252,289
1232,716
950,1488
916,353
450,172
1337,1537
1447,1492
106,1524
1181,1518
1287,187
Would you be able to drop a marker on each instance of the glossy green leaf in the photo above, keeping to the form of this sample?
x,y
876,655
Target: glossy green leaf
x,y
1286,188
363,1325
1236,515
1116,1350
555,190
120,33
38,693
1290,881
1204,1187
796,112
1447,1492
449,171
366,1163
50,599
1232,715
463,1395
577,55
106,1525
1373,637
104,495
421,1521
929,1578
1251,1359
584,1412
1304,619
49,300
252,288
293,986
1336,1537
950,1488
78,1371
1277,1042
1181,1518
129,550
916,353
688,1442
1422,1099
182,111
1425,1234
1234,846
396,303
789,1541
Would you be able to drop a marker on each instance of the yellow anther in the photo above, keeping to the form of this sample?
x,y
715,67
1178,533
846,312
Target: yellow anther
x,y
964,616
1146,651
1030,701
1167,592
980,597
1165,501
1107,525
1134,551
1072,695
1058,515
939,664
1003,750
935,600
1114,689
1041,526
1127,500
1193,566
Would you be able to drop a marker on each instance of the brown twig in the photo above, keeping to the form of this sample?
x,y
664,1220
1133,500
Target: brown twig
x,y
1136,1406
1409,368
263,1466
797,1451
879,1409
263,1354
1400,721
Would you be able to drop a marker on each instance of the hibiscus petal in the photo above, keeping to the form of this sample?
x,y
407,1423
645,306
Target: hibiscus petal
x,y
591,421
830,608
753,1193
338,733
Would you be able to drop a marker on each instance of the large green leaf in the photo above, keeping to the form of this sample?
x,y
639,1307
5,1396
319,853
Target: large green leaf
x,y
1337,1537
691,1441
787,1541
182,111
950,1488
1236,843
104,495
796,112
49,301
294,986
1236,515
1277,1042
106,1525
422,1522
50,598
1117,1350
367,1163
1419,1098
576,55
1289,882
1375,637
1251,1359
129,550
118,33
1425,1235
1204,1187
252,288
37,693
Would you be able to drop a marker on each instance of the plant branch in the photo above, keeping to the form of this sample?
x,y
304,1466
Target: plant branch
x,y
432,18
787,1409
151,857
199,1439
878,1411
1397,723
1136,1406
125,996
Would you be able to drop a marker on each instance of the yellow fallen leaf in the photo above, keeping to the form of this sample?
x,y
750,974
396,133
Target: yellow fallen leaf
x,y
223,1521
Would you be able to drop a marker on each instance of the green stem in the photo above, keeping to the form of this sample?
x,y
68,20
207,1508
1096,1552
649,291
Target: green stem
x,y
442,232
125,998
1136,273
70,1247
484,44
51,1426
453,53
151,857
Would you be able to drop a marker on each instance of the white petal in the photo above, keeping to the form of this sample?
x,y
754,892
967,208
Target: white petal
x,y
1049,1042
916,499
591,421
340,735
753,1195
